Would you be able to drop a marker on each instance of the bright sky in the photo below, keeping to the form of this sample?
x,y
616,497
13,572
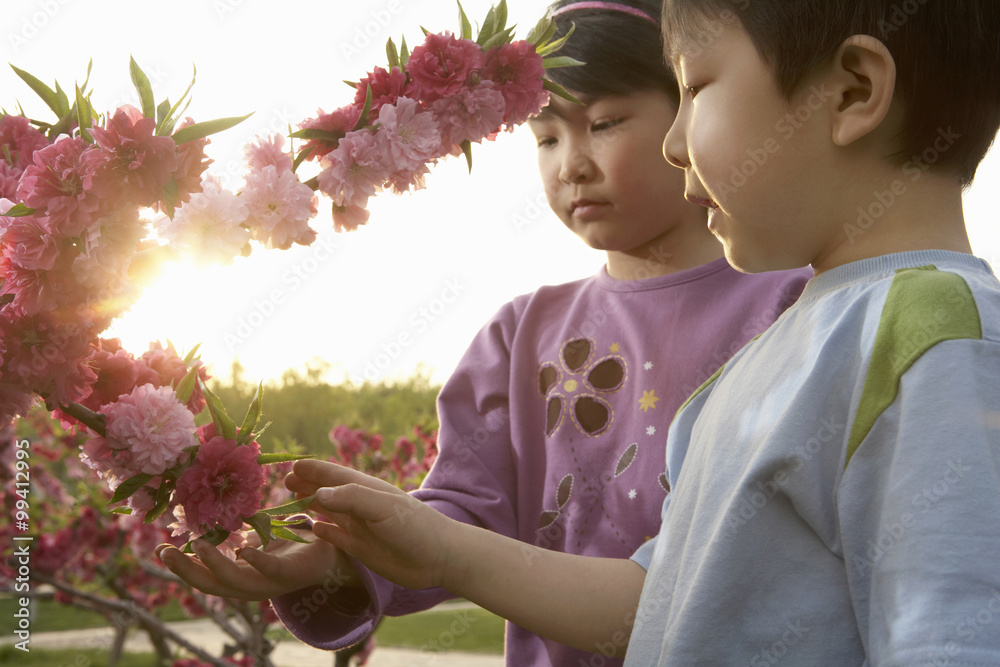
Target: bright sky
x,y
412,288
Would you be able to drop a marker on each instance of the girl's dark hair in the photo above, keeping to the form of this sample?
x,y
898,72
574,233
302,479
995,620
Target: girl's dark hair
x,y
947,55
623,53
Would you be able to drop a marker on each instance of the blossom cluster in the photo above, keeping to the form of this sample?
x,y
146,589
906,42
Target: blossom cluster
x,y
404,466
75,231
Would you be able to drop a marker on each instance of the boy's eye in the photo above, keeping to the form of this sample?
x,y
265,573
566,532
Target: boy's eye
x,y
546,142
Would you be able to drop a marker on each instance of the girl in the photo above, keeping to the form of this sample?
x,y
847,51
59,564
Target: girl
x,y
552,427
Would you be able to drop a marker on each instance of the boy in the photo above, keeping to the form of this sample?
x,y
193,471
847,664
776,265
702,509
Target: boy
x,y
840,496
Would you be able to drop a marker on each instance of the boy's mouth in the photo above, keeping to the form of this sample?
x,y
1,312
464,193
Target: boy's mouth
x,y
701,201
587,207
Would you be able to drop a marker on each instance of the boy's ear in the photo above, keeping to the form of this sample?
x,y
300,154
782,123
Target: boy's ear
x,y
864,78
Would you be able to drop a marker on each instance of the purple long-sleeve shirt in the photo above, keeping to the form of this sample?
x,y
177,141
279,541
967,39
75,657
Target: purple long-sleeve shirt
x,y
552,429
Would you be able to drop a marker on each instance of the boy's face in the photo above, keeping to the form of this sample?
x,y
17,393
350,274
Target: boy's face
x,y
604,174
754,159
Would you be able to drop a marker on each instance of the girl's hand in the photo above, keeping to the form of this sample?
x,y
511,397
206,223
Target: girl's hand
x,y
392,533
282,567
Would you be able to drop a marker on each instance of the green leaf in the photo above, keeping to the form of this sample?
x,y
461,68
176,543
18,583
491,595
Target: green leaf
x,y
489,27
166,125
84,115
63,100
285,534
185,387
293,507
404,53
252,416
281,457
261,523
19,211
47,94
192,355
464,21
141,83
317,133
215,537
502,15
122,510
289,522
352,84
204,129
162,111
560,61
467,149
552,47
363,118
392,53
543,31
302,157
130,486
161,503
498,39
556,89
224,424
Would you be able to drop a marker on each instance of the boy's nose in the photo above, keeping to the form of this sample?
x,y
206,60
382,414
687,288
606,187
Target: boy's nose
x,y
675,147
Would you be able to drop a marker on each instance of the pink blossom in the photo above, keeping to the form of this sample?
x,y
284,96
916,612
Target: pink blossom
x,y
191,165
386,86
20,139
517,71
106,251
130,162
29,243
163,367
59,184
471,115
407,136
443,65
209,226
338,123
353,172
350,217
268,152
116,373
152,425
14,401
279,207
9,177
141,502
221,486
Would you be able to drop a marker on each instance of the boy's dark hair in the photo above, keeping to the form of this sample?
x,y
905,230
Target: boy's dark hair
x,y
623,53
947,55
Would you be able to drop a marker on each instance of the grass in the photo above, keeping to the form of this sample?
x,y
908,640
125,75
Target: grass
x,y
69,658
440,629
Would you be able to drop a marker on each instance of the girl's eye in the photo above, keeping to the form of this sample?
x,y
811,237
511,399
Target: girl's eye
x,y
606,125
546,142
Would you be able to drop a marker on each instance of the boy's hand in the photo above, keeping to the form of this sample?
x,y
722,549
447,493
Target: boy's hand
x,y
282,567
392,533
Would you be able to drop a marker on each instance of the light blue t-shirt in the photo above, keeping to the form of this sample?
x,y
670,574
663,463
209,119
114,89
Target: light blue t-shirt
x,y
839,502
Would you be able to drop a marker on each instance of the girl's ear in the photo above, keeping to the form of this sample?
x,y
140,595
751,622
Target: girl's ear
x,y
864,80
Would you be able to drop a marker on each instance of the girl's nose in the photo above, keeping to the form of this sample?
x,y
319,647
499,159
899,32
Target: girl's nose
x,y
576,167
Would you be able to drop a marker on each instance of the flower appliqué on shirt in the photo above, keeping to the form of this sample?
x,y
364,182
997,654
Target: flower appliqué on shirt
x,y
577,386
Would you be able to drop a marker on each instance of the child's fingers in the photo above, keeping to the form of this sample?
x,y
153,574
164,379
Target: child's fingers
x,y
324,473
358,501
190,570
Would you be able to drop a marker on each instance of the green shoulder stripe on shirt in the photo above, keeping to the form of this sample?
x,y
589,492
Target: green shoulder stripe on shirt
x,y
924,307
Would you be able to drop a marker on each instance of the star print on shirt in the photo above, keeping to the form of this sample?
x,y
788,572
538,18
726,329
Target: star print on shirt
x,y
632,494
648,366
650,430
616,348
648,400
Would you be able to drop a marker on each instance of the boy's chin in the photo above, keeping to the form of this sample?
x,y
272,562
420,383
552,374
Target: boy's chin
x,y
746,261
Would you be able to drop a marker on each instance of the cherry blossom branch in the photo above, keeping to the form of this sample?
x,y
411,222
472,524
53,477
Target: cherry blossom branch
x,y
92,420
133,610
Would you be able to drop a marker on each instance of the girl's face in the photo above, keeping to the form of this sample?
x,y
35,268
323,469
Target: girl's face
x,y
605,176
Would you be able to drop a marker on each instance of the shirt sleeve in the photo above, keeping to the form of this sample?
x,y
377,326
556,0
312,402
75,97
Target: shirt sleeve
x,y
472,481
920,514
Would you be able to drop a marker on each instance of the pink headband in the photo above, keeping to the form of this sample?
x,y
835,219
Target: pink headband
x,y
610,6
